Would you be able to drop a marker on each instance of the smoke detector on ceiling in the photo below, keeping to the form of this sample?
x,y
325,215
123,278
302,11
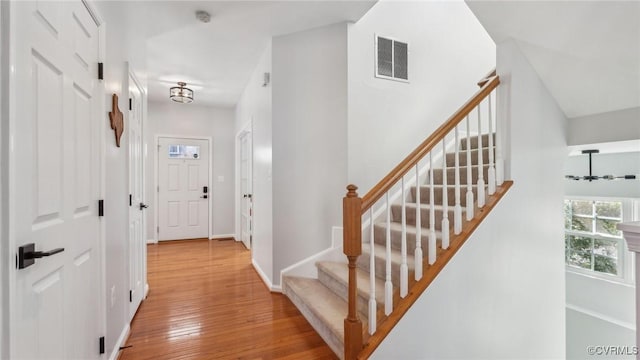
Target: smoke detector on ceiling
x,y
203,16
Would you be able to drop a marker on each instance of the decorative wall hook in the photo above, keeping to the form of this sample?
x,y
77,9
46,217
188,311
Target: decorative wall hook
x,y
117,120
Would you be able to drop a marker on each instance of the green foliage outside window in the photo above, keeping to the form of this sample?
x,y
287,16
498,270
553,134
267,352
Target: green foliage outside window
x,y
592,240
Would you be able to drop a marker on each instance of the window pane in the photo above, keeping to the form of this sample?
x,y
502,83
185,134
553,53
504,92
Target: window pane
x,y
581,224
607,227
605,247
567,214
580,243
385,57
609,209
581,207
605,264
400,60
184,152
580,259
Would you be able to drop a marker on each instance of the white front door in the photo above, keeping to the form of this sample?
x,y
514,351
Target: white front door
x,y
183,187
137,242
245,189
56,302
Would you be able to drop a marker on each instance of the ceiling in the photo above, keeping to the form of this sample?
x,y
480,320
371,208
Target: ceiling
x,y
586,52
217,58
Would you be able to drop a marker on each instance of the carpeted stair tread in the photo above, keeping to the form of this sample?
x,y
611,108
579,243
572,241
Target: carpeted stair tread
x,y
474,141
324,310
425,194
335,276
462,156
380,261
380,235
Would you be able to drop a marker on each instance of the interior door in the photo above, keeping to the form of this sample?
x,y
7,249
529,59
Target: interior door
x,y
56,300
183,187
246,210
137,207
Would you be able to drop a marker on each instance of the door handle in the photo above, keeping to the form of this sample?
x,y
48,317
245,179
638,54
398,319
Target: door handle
x,y
27,255
143,206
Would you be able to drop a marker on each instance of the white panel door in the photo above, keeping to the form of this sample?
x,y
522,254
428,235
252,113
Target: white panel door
x,y
183,187
246,182
137,242
56,303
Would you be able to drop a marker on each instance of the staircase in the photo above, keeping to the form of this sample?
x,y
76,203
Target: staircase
x,y
431,206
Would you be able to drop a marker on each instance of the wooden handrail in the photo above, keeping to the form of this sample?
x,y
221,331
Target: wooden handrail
x,y
423,149
487,77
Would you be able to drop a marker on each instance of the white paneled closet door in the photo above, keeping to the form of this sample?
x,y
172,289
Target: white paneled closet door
x,y
55,181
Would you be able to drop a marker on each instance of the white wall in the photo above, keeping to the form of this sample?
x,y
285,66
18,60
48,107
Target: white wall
x,y
309,141
255,105
170,118
4,253
449,52
606,127
593,331
503,295
122,45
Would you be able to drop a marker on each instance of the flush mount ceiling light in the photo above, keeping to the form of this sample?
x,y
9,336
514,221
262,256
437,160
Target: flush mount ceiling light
x,y
592,177
181,93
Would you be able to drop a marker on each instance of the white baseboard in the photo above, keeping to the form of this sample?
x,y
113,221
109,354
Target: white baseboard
x,y
124,335
152,241
223,236
146,290
265,278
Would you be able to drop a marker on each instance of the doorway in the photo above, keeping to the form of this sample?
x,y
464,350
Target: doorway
x,y
137,206
184,190
245,163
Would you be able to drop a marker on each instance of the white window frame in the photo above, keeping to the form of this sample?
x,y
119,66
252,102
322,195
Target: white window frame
x,y
626,266
375,56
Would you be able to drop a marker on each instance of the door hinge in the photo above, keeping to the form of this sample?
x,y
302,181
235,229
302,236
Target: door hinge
x,y
158,229
130,296
100,71
130,199
101,342
100,207
130,104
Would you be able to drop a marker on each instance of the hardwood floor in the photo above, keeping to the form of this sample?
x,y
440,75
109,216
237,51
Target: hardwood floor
x,y
207,302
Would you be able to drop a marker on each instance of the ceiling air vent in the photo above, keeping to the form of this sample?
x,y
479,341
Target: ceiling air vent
x,y
392,59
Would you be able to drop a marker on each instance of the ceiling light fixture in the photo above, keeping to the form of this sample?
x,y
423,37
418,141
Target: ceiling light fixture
x,y
592,177
181,93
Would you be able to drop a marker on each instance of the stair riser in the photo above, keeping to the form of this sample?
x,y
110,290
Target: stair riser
x,y
363,263
335,341
342,291
425,196
474,141
437,175
380,237
462,156
396,216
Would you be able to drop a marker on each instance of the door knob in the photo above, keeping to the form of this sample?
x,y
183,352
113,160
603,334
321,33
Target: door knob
x,y
205,196
143,206
27,255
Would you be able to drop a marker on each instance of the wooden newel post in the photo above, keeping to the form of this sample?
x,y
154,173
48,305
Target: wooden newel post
x,y
352,247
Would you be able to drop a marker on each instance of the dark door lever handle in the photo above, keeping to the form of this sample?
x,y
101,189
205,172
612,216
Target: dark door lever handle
x,y
143,206
27,255
40,254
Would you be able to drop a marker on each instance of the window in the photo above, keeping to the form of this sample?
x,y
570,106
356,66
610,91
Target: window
x,y
392,59
592,241
184,152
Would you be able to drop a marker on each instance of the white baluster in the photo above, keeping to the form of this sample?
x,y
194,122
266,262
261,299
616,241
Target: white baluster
x,y
432,214
445,198
499,145
492,170
469,179
457,210
404,269
418,253
388,286
373,306
481,194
